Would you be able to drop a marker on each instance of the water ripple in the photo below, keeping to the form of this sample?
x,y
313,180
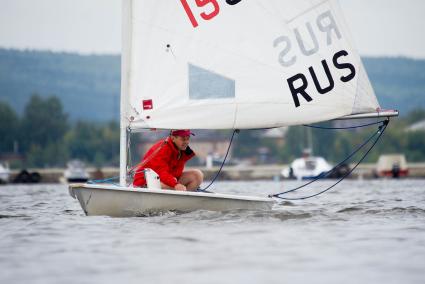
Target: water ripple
x,y
13,216
375,223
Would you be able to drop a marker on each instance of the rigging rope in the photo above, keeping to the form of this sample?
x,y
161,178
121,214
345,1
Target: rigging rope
x,y
131,172
380,131
222,164
95,181
345,128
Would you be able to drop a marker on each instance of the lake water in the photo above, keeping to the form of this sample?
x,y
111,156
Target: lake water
x,y
360,232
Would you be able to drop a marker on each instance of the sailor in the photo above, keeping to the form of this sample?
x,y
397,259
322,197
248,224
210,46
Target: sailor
x,y
168,158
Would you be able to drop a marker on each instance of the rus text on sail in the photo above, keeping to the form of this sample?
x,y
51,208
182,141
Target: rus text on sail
x,y
325,25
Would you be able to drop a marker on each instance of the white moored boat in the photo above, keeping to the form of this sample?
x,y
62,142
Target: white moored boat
x,y
228,65
4,173
75,172
307,168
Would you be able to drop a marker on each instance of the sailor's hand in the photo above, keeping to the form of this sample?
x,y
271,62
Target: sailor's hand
x,y
180,187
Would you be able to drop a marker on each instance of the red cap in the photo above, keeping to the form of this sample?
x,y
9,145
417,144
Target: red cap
x,y
182,132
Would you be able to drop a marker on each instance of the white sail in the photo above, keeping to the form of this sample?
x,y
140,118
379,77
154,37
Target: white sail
x,y
218,64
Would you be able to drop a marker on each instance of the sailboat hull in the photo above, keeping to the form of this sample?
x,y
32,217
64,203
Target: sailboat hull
x,y
118,201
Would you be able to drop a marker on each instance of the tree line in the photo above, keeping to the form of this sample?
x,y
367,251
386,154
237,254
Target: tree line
x,y
93,81
336,145
44,136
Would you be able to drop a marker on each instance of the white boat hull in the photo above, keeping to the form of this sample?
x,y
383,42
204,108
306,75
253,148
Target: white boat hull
x,y
307,168
4,174
118,201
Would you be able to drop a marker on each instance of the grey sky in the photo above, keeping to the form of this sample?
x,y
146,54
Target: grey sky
x,y
379,27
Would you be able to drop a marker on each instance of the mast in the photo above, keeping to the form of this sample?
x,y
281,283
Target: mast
x,y
309,142
125,67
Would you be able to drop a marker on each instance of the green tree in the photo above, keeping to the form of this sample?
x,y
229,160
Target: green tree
x,y
51,155
82,141
110,144
415,116
44,122
9,124
246,143
323,140
295,143
43,126
416,146
98,144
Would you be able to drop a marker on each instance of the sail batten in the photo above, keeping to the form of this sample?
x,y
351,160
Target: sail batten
x,y
255,64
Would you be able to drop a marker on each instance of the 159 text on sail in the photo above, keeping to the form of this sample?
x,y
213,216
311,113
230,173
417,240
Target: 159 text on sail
x,y
298,83
204,15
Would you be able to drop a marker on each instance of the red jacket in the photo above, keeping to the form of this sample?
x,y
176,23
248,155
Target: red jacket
x,y
165,162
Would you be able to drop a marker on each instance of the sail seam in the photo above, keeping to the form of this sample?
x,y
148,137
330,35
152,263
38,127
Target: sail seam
x,y
306,11
236,115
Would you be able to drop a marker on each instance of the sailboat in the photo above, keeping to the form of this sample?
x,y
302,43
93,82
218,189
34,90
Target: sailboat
x,y
75,172
308,166
227,64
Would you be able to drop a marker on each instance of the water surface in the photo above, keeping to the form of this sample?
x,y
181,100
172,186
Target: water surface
x,y
360,232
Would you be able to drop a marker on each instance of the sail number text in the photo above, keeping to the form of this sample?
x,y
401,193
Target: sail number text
x,y
211,8
326,28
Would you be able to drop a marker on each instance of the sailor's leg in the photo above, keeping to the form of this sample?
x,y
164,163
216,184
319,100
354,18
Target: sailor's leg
x,y
165,186
192,179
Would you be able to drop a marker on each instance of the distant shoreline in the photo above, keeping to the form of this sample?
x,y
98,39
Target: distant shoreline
x,y
231,173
